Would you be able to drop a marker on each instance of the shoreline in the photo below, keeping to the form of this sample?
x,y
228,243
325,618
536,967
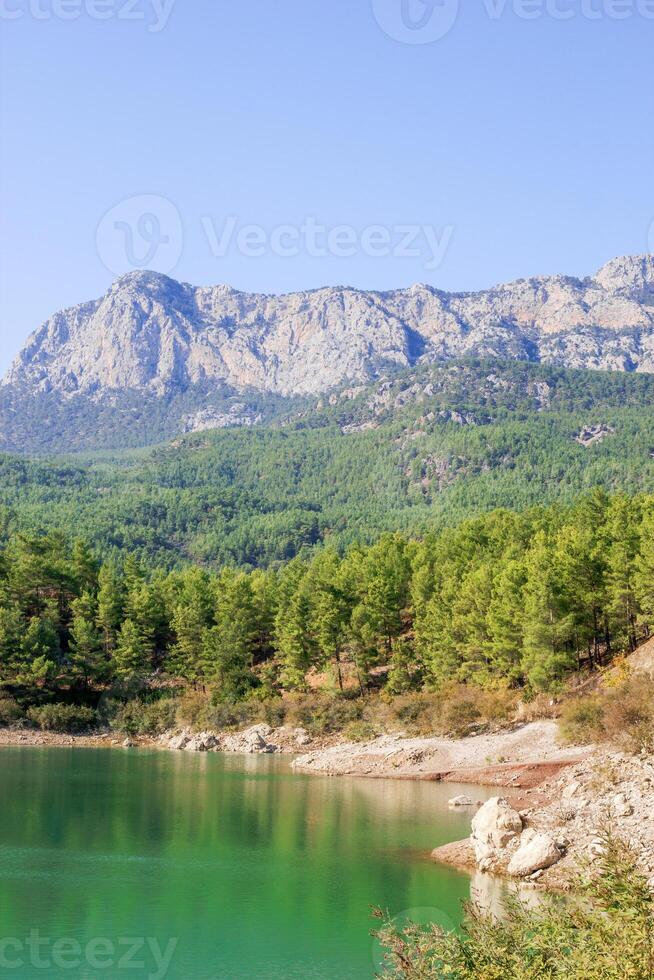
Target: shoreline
x,y
569,795
516,758
521,758
34,738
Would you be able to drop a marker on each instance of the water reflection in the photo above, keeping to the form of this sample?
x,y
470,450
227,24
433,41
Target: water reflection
x,y
259,872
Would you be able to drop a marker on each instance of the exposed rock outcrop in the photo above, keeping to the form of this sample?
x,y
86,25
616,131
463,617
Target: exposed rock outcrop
x,y
591,435
168,357
494,826
152,334
256,740
563,823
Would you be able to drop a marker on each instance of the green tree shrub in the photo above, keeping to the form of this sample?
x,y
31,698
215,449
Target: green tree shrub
x,y
70,718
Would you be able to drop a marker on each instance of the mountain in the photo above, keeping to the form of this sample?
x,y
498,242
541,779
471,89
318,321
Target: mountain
x,y
154,357
423,449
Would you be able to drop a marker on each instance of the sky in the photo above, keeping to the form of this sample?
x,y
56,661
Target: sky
x,y
277,145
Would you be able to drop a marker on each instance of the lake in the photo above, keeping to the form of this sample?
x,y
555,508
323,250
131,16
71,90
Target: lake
x,y
117,863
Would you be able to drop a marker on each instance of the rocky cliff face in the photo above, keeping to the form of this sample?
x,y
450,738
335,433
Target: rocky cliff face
x,y
151,341
150,332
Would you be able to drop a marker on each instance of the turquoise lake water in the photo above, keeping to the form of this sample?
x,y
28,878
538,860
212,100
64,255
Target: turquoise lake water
x,y
207,867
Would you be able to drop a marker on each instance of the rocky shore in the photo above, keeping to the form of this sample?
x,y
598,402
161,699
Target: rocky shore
x,y
521,757
259,739
546,833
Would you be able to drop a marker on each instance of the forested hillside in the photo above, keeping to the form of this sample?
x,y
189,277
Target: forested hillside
x,y
413,453
513,599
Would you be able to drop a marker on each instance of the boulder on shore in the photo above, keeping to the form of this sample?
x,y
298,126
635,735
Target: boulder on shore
x,y
535,853
493,827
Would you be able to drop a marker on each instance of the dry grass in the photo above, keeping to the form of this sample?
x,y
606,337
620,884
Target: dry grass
x,y
456,710
621,715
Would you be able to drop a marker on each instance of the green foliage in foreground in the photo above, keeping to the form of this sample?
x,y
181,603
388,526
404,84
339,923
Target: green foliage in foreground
x,y
605,934
423,450
507,599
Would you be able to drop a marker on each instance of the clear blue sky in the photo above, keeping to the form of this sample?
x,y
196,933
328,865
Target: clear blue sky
x,y
532,140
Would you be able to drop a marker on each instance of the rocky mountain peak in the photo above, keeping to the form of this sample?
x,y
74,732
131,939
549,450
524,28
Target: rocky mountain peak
x,y
632,275
153,335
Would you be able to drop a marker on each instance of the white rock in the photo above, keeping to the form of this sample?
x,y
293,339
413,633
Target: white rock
x,y
493,827
178,741
460,801
535,853
621,806
202,742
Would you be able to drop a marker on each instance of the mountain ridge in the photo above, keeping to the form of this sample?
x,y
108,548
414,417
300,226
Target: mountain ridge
x,y
179,352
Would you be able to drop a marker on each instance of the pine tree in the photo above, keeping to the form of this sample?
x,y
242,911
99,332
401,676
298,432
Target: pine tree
x,y
549,650
643,582
111,599
84,567
39,651
439,647
144,608
130,659
505,620
11,634
228,647
330,610
292,636
387,573
86,655
623,526
469,624
189,622
405,672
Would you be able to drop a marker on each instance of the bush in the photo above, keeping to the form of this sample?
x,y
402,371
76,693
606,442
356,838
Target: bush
x,y
10,711
273,712
231,714
453,710
608,933
192,710
324,714
629,715
71,718
143,717
360,731
459,713
622,716
449,712
537,706
581,720
200,711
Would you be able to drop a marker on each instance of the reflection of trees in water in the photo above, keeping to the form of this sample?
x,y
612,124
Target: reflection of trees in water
x,y
220,836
